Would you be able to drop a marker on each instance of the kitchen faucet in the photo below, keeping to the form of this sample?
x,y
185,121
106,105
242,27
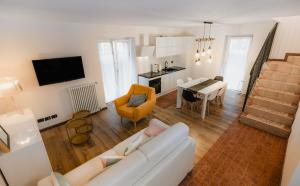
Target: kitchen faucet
x,y
166,65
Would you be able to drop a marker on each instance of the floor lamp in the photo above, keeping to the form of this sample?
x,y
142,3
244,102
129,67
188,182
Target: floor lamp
x,y
9,87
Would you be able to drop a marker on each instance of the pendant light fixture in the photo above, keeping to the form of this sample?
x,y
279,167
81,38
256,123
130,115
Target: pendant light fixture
x,y
209,50
197,55
202,52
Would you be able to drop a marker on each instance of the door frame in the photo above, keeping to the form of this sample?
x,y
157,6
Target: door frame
x,y
225,51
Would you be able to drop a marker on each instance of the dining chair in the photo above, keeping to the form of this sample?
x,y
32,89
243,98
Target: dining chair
x,y
179,82
219,78
219,96
189,79
211,98
189,97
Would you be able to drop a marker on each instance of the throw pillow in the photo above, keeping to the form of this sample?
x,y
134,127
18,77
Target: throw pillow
x,y
58,179
141,139
153,129
110,160
136,100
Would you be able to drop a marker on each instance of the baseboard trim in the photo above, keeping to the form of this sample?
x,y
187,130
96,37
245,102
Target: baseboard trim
x,y
64,122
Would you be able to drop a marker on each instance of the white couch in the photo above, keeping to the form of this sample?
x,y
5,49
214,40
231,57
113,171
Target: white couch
x,y
164,160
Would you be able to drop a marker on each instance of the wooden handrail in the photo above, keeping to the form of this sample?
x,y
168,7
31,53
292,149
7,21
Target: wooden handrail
x,y
260,60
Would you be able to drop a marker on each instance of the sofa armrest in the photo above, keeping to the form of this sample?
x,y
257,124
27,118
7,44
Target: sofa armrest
x,y
45,182
121,100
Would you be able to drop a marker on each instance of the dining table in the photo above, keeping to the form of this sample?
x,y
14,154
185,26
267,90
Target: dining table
x,y
205,87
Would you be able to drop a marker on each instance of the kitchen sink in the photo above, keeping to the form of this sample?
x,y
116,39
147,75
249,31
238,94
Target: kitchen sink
x,y
169,69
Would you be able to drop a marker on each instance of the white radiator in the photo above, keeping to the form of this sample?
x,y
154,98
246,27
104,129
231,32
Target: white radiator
x,y
84,97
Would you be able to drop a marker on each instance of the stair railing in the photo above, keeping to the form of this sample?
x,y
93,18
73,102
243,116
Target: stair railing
x,y
260,60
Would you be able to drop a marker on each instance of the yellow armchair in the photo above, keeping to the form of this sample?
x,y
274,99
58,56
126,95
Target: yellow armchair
x,y
136,113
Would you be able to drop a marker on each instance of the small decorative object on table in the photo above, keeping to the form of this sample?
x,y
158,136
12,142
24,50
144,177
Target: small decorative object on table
x,y
4,140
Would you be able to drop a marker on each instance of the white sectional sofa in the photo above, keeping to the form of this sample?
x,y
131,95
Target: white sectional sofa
x,y
164,160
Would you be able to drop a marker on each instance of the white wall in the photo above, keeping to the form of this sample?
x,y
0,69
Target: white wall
x,y
291,169
25,40
287,40
259,31
287,37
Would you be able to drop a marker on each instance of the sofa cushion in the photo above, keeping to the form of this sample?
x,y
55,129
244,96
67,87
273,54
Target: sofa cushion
x,y
110,160
59,180
82,174
125,172
164,143
120,148
141,139
154,128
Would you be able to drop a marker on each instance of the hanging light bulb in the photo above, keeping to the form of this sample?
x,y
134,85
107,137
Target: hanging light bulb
x,y
209,50
203,53
210,39
209,59
197,55
198,62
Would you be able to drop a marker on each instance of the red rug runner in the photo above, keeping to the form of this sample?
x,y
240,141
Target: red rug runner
x,y
241,156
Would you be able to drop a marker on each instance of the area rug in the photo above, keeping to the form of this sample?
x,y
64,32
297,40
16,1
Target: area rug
x,y
241,156
167,100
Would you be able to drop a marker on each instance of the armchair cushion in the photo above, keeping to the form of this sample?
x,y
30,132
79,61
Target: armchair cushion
x,y
136,100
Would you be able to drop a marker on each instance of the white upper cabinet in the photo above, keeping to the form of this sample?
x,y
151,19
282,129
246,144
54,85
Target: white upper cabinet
x,y
169,46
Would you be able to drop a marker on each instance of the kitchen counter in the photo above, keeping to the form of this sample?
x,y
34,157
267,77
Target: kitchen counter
x,y
169,70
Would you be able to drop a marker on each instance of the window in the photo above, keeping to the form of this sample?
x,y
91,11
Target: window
x,y
118,64
236,59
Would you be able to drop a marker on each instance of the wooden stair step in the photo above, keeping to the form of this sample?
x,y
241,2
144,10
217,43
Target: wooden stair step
x,y
279,85
274,103
270,114
276,94
266,125
294,59
280,76
281,67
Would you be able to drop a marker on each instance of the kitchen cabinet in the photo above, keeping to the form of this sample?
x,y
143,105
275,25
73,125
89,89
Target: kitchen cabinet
x,y
169,46
27,161
169,81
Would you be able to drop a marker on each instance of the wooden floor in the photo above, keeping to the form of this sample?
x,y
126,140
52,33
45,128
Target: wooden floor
x,y
108,132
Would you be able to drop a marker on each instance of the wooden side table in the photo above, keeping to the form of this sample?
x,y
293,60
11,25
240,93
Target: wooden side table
x,y
81,114
81,133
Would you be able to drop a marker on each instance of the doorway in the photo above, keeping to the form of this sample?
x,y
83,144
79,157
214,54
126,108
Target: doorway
x,y
235,63
118,65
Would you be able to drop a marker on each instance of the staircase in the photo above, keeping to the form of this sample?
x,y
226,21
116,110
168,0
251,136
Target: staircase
x,y
274,99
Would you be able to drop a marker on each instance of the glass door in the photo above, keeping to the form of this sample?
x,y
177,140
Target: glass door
x,y
117,60
236,58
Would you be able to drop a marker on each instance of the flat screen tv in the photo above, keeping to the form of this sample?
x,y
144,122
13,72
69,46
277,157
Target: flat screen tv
x,y
56,70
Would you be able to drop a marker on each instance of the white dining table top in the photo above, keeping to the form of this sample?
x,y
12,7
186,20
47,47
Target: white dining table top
x,y
207,90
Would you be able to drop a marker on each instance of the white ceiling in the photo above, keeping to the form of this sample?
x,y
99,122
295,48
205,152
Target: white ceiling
x,y
151,12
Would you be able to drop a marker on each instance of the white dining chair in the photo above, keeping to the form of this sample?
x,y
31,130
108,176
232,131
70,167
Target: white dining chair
x,y
179,82
189,79
219,96
211,98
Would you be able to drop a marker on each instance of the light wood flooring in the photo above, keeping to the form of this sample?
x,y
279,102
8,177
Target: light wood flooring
x,y
108,131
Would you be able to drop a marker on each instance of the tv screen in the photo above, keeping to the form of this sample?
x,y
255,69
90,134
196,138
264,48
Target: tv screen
x,y
56,70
